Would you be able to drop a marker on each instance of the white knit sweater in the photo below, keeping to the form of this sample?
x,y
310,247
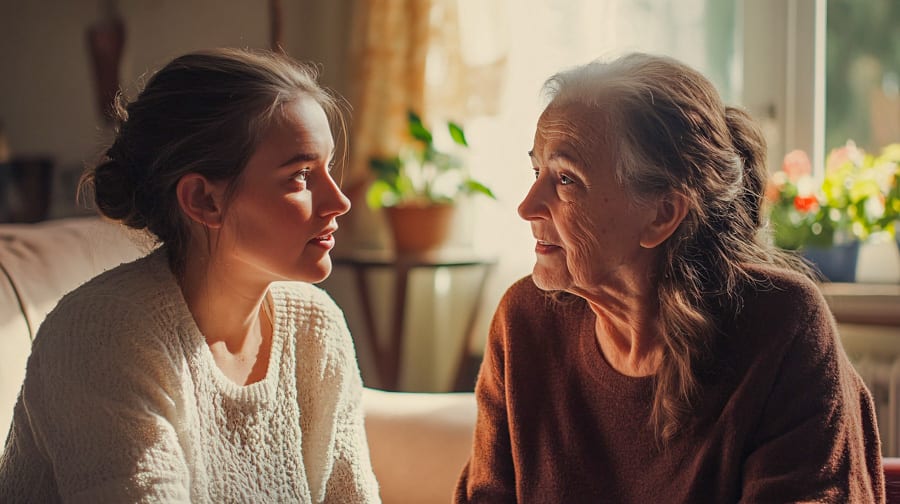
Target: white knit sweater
x,y
123,402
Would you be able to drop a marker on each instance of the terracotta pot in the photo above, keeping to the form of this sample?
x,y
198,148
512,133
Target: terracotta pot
x,y
420,228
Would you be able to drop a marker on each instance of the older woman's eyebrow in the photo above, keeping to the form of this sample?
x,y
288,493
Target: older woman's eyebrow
x,y
564,156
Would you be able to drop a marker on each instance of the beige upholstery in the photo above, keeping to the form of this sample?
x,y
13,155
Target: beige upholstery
x,y
40,263
418,442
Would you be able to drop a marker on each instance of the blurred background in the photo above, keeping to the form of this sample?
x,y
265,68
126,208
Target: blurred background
x,y
814,73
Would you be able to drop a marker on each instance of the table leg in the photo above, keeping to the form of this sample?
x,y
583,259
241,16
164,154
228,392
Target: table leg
x,y
460,383
393,358
362,286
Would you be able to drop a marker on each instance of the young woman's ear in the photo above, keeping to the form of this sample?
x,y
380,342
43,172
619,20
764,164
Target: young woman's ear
x,y
201,200
670,211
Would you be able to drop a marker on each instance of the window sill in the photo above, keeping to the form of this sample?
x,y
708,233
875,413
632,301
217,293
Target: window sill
x,y
864,303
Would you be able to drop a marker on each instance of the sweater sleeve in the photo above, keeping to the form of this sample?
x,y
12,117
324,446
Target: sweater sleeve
x,y
335,447
489,475
818,439
352,479
100,397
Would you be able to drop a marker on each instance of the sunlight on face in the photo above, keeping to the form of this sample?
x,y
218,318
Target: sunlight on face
x,y
281,220
586,226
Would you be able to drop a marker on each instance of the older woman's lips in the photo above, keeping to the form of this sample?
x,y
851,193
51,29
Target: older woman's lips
x,y
543,247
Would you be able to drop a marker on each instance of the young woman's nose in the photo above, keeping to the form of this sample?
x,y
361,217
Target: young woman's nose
x,y
335,202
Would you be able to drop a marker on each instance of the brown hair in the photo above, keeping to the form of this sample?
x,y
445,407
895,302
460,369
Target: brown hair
x,y
204,113
670,133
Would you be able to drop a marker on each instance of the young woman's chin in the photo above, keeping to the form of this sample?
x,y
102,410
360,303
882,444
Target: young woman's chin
x,y
314,271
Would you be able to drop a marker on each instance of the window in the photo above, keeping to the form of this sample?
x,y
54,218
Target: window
x,y
537,38
862,73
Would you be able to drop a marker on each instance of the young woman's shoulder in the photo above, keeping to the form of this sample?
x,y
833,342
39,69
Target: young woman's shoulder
x,y
306,298
315,317
122,306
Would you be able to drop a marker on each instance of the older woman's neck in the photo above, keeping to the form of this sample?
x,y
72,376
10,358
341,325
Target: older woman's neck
x,y
627,330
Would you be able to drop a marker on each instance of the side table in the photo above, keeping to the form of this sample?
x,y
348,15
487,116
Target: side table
x,y
388,357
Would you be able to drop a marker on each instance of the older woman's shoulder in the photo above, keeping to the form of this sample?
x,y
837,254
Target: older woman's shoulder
x,y
786,298
783,283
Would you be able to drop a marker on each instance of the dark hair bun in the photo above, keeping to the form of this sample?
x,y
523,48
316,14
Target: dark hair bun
x,y
115,194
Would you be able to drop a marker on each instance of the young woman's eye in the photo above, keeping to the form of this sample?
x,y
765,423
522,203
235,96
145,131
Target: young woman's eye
x,y
302,175
537,172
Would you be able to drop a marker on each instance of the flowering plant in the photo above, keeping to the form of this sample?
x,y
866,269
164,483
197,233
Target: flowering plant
x,y
857,196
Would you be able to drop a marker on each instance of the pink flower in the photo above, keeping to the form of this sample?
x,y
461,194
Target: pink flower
x,y
796,164
839,156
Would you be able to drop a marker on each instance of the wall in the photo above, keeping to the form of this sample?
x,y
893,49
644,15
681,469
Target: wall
x,y
47,103
48,108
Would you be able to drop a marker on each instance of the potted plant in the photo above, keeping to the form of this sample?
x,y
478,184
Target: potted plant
x,y
419,187
827,220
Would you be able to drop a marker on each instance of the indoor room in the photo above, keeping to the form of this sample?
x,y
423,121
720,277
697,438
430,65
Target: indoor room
x,y
441,99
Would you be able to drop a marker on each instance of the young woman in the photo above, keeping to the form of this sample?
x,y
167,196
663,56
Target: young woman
x,y
210,370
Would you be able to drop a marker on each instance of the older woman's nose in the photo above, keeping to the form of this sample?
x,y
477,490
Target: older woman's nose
x,y
533,206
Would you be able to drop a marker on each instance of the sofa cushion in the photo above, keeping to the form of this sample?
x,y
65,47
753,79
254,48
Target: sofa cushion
x,y
419,442
38,264
46,260
15,345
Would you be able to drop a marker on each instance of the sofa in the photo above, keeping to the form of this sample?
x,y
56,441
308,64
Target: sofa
x,y
418,442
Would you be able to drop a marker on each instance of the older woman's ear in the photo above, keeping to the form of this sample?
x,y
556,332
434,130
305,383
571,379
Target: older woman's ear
x,y
670,211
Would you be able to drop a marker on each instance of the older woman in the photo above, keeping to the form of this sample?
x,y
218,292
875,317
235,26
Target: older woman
x,y
660,352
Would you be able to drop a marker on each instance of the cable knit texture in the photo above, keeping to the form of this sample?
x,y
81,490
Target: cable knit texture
x,y
123,402
783,417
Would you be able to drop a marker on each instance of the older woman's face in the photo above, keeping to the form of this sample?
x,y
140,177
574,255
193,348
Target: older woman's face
x,y
587,228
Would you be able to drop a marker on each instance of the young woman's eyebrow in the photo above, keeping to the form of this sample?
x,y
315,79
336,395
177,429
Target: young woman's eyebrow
x,y
302,157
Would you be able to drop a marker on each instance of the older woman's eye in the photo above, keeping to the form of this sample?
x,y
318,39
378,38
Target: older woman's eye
x,y
565,180
537,172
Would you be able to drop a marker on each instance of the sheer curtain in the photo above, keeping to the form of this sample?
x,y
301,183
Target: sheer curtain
x,y
389,41
482,63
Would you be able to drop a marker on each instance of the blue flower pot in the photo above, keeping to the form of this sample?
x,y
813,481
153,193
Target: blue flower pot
x,y
836,263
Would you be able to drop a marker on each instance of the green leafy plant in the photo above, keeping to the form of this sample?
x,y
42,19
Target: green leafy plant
x,y
421,174
856,197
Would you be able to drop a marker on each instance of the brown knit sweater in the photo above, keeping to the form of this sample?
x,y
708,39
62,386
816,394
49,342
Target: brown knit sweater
x,y
783,418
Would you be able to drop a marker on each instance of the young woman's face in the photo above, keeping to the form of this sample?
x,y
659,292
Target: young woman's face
x,y
280,222
587,228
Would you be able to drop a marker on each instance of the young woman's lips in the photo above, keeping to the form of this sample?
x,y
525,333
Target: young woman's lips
x,y
325,241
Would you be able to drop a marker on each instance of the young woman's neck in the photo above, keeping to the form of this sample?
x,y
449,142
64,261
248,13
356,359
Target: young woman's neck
x,y
226,307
